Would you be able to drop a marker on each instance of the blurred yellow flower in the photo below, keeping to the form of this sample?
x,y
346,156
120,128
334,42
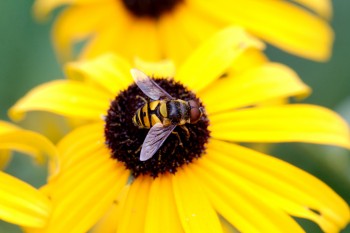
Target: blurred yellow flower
x,y
102,185
21,203
155,30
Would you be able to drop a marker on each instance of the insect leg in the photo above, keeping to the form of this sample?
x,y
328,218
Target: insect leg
x,y
138,150
143,99
178,137
186,130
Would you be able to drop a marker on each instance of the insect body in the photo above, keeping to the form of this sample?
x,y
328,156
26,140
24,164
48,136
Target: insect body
x,y
161,115
167,112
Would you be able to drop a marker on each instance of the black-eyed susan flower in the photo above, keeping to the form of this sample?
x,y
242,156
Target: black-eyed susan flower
x,y
21,203
208,181
155,30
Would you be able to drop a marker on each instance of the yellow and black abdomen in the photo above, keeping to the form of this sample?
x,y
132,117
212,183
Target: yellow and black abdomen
x,y
148,115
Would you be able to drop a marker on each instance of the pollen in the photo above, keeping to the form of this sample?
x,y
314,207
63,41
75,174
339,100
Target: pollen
x,y
150,8
125,140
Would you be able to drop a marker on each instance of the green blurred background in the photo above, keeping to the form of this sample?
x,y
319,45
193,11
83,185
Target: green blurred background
x,y
27,59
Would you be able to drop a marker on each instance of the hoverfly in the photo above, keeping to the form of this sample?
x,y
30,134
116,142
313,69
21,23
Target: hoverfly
x,y
161,115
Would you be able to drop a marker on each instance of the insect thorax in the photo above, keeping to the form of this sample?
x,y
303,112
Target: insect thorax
x,y
178,112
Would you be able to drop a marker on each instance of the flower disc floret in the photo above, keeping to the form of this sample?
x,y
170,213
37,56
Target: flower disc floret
x,y
150,8
125,139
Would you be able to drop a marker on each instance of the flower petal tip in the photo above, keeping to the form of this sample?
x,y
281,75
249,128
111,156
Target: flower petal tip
x,y
15,114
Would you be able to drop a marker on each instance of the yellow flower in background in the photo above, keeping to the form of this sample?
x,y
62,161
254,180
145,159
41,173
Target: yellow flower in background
x,y
210,179
155,30
21,203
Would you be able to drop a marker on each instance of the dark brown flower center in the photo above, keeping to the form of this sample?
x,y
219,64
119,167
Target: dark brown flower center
x,y
150,8
125,139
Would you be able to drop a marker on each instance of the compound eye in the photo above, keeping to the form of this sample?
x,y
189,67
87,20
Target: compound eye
x,y
196,112
195,115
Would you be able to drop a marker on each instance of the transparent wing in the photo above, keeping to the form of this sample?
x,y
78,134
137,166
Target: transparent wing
x,y
154,140
148,86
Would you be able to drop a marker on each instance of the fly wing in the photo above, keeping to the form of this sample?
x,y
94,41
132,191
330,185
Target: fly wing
x,y
154,140
148,86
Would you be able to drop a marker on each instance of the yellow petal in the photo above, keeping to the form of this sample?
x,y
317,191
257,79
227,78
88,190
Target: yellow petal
x,y
109,223
195,211
108,71
263,83
66,33
25,141
228,227
174,43
135,207
22,204
160,69
141,39
53,126
254,175
321,7
5,157
250,58
87,144
106,40
213,57
161,215
285,123
65,97
107,37
188,19
6,127
280,23
44,7
5,154
95,179
91,138
245,213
